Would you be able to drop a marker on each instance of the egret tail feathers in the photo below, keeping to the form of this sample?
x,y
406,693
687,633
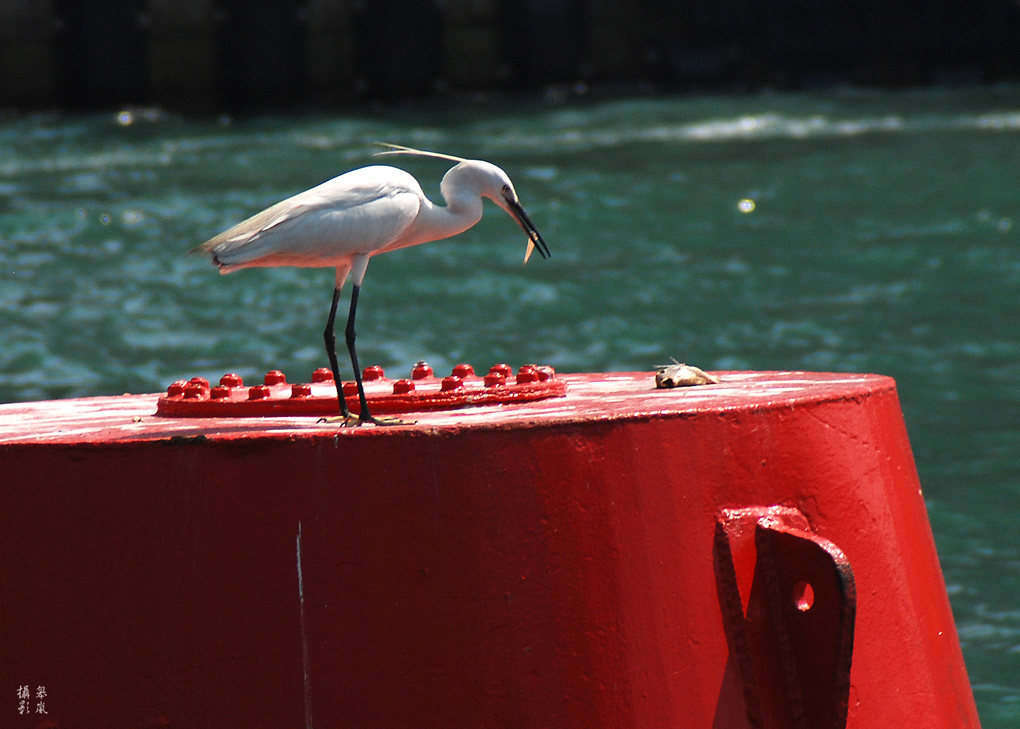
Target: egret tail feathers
x,y
238,239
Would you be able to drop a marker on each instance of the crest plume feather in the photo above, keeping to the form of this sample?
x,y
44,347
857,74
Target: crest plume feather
x,y
401,149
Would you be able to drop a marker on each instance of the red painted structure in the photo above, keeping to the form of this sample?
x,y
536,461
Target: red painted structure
x,y
749,554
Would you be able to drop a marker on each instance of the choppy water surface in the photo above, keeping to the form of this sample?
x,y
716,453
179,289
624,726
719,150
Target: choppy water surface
x,y
845,230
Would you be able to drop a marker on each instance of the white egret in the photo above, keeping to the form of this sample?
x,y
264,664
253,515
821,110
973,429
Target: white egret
x,y
342,223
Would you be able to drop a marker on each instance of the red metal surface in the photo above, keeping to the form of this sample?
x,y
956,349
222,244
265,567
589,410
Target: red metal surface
x,y
423,391
543,564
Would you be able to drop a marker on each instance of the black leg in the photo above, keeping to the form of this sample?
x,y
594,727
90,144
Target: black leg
x,y
365,416
329,336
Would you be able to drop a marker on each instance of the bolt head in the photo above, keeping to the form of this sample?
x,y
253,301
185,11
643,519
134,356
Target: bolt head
x,y
501,369
526,374
232,379
452,383
194,391
402,387
545,372
274,377
322,375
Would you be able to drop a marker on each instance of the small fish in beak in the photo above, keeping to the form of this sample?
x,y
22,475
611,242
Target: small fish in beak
x,y
534,238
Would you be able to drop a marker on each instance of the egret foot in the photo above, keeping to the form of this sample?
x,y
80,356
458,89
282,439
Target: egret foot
x,y
382,420
344,421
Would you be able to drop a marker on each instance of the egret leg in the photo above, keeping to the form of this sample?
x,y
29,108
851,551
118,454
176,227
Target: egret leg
x,y
365,417
329,336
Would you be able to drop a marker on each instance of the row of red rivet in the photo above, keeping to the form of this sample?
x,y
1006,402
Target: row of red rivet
x,y
198,387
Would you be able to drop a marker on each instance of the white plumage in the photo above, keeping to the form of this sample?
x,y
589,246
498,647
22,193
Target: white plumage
x,y
345,221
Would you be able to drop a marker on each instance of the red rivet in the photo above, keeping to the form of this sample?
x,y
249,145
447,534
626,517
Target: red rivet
x,y
194,391
274,377
232,379
494,378
501,369
200,381
350,388
322,375
258,392
220,392
401,387
452,383
463,370
373,372
300,390
545,372
421,371
176,388
527,373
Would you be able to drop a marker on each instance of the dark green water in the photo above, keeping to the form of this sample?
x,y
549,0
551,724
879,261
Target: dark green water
x,y
884,237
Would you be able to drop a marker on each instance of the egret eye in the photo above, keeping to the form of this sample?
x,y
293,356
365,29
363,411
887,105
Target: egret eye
x,y
507,193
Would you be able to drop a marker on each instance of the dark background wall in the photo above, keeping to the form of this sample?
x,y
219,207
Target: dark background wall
x,y
265,54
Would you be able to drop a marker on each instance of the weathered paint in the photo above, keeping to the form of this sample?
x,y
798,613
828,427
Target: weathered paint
x,y
544,564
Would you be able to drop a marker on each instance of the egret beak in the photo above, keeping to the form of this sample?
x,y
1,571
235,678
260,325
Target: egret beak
x,y
534,239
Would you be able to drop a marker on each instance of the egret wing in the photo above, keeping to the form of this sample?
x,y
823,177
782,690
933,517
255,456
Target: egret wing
x,y
358,212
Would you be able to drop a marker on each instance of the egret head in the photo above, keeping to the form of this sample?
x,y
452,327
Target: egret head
x,y
487,180
495,184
